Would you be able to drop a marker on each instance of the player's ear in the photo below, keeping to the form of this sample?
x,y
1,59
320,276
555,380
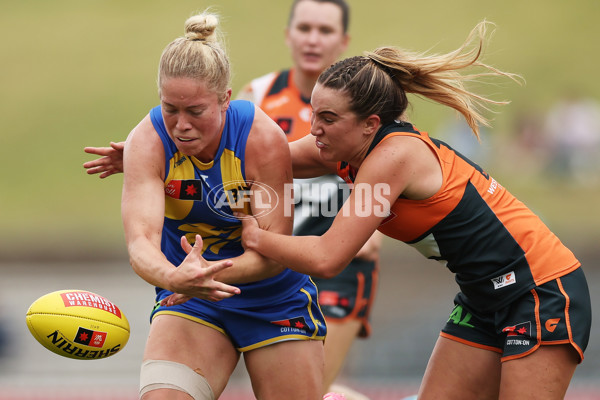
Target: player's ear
x,y
371,124
227,99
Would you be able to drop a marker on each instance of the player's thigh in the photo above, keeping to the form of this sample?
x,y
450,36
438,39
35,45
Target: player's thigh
x,y
459,371
543,374
204,349
340,336
292,367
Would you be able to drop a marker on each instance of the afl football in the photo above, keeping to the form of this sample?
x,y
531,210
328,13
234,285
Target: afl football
x,y
78,324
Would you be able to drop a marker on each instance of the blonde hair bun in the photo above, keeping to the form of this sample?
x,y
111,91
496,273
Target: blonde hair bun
x,y
202,27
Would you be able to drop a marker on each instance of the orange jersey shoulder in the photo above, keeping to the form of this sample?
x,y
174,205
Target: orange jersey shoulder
x,y
281,100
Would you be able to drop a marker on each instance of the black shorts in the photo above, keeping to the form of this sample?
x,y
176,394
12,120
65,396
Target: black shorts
x,y
557,312
350,294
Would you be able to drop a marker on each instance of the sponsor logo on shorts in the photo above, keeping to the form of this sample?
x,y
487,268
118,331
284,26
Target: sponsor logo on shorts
x,y
333,304
297,325
519,334
334,311
87,299
461,317
504,280
330,298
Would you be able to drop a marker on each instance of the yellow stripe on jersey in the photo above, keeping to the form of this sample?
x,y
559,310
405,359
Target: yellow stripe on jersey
x,y
180,167
234,185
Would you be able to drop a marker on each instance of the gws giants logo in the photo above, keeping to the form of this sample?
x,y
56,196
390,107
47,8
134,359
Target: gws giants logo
x,y
504,280
551,324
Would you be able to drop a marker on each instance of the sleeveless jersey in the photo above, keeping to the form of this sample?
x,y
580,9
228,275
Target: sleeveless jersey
x,y
316,199
277,95
201,197
495,245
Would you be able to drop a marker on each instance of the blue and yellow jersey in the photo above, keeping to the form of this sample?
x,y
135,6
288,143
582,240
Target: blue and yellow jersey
x,y
200,197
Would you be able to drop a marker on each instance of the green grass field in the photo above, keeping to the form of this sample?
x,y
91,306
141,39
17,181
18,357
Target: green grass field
x,y
78,73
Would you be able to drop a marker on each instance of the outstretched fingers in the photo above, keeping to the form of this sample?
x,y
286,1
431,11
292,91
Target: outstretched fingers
x,y
99,151
119,146
110,161
211,289
220,289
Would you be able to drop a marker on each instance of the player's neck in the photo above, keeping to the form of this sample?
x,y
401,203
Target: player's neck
x,y
304,82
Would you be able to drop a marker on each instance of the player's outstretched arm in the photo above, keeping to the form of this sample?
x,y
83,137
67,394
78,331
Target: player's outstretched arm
x,y
110,162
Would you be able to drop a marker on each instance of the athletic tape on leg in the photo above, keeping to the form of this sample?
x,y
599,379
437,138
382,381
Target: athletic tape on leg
x,y
161,374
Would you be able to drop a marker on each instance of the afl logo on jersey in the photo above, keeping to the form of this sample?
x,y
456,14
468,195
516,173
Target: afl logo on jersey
x,y
248,197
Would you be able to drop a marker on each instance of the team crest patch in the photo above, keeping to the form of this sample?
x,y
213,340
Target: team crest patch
x,y
504,280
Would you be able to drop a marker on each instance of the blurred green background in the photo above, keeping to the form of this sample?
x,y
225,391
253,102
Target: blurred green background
x,y
77,73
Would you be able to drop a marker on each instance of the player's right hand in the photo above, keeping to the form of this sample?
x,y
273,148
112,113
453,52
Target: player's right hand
x,y
110,163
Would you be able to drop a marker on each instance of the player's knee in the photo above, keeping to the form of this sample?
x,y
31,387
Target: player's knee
x,y
161,374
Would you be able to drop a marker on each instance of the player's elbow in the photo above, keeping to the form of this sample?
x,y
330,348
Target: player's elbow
x,y
327,269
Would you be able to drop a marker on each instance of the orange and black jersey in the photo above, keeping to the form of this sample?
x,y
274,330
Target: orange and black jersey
x,y
495,245
277,95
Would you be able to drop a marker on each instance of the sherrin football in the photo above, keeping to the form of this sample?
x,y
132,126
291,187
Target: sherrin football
x,y
78,324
